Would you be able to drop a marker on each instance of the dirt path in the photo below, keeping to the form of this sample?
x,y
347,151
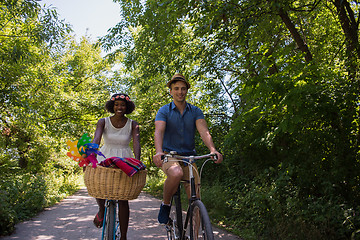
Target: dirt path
x,y
72,219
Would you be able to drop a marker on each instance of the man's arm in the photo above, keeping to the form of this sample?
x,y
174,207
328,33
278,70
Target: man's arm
x,y
159,138
202,128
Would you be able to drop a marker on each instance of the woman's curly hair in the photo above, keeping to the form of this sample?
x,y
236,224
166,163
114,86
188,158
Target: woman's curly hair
x,y
130,106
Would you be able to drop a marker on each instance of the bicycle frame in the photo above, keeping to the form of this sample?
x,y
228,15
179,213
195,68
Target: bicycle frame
x,y
193,197
193,200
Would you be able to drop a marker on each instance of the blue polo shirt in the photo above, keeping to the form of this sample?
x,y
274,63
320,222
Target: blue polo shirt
x,y
180,129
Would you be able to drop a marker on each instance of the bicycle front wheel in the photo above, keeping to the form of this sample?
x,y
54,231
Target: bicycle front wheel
x,y
109,229
201,225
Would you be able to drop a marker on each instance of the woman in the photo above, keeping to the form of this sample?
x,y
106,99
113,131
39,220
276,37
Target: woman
x,y
117,132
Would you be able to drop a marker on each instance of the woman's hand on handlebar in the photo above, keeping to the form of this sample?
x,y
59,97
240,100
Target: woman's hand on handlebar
x,y
157,159
219,157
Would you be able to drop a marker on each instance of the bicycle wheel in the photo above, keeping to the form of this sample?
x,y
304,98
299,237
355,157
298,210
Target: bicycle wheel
x,y
109,229
175,228
201,225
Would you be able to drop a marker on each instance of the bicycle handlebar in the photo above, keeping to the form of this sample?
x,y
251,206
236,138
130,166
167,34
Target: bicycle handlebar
x,y
173,154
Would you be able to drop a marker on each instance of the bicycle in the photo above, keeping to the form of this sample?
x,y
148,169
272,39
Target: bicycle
x,y
113,185
176,228
111,230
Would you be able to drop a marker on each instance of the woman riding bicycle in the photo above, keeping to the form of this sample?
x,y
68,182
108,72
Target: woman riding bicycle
x,y
117,131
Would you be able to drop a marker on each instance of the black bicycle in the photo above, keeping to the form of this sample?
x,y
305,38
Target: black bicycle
x,y
197,222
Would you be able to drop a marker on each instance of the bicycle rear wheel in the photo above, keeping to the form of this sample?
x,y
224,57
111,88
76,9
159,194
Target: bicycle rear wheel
x,y
109,229
201,225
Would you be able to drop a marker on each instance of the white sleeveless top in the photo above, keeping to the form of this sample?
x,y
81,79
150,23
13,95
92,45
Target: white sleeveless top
x,y
116,140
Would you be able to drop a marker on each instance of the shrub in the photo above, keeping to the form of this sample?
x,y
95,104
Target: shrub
x,y
271,206
155,181
23,194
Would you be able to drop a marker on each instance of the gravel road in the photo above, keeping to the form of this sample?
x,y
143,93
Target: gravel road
x,y
72,219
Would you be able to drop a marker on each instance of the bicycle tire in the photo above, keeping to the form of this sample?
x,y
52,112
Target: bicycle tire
x,y
109,229
204,230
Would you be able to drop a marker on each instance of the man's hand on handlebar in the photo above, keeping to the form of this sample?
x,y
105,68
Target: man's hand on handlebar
x,y
219,157
157,159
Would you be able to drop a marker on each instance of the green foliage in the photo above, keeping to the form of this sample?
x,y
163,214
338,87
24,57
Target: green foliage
x,y
217,201
290,70
23,195
51,89
270,204
155,181
278,82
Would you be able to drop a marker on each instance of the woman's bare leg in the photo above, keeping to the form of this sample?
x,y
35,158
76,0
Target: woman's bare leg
x,y
124,214
100,215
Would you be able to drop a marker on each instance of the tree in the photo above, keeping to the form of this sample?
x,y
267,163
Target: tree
x,y
150,60
51,88
290,69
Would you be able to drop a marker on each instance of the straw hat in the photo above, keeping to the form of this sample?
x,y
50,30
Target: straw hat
x,y
178,77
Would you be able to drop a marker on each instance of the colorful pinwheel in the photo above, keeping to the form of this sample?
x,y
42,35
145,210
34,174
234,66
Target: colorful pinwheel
x,y
83,151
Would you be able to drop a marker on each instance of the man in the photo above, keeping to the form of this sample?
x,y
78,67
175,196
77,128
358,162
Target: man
x,y
175,126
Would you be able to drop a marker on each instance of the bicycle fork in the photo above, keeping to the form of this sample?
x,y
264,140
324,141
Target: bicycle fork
x,y
109,222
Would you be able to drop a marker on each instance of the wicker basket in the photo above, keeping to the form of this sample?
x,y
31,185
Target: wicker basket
x,y
113,183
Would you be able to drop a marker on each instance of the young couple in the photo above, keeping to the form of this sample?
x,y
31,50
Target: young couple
x,y
175,127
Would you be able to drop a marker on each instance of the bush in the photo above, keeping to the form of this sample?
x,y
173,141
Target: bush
x,y
23,194
271,206
7,214
217,200
155,181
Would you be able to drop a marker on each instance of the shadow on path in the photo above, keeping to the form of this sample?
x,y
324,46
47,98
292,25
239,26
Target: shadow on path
x,y
72,219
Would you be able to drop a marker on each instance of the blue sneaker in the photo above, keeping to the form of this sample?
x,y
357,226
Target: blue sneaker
x,y
164,213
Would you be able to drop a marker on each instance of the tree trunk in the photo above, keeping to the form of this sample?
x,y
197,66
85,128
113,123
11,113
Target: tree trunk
x,y
350,27
296,35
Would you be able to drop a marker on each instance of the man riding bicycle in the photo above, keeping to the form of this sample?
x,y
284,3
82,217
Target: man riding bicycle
x,y
175,126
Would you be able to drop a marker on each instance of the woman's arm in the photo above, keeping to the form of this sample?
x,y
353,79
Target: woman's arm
x,y
99,131
136,139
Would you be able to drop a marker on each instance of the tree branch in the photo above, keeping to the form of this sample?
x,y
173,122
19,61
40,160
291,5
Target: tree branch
x,y
295,33
227,92
349,25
